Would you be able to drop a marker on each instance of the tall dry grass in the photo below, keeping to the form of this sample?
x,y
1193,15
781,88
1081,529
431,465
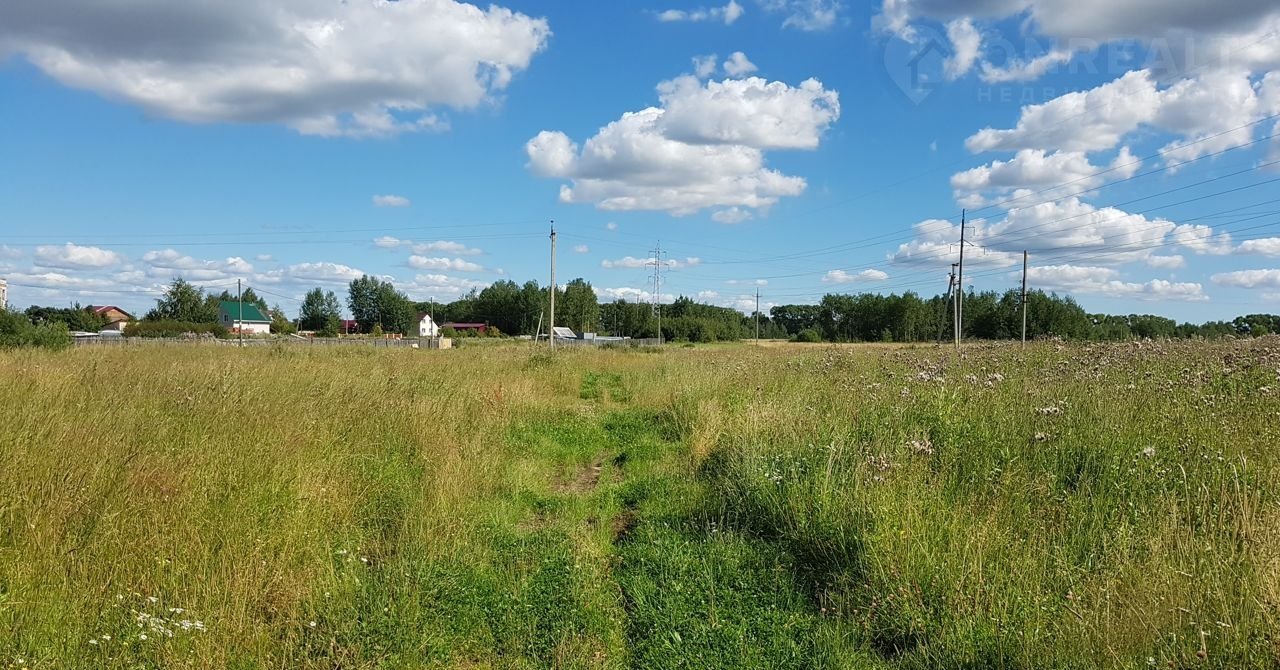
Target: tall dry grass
x,y
727,506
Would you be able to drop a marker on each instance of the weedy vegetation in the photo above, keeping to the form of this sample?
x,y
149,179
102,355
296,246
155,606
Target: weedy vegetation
x,y
727,506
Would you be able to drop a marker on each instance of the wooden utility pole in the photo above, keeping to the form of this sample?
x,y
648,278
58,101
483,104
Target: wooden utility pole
x,y
757,316
551,325
1024,297
951,299
240,307
960,287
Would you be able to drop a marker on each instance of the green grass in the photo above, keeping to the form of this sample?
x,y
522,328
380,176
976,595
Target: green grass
x,y
718,507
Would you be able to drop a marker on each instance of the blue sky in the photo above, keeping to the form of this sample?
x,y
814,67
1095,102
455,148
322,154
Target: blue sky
x,y
783,145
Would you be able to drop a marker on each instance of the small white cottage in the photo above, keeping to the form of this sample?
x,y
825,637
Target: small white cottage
x,y
427,327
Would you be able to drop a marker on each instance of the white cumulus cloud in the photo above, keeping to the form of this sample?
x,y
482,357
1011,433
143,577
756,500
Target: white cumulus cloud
x,y
630,294
738,65
1248,278
966,42
443,263
704,66
727,14
631,262
326,68
390,201
74,256
703,148
1046,175
731,215
1106,281
807,15
1267,246
423,248
842,277
173,263
312,272
1172,262
1208,113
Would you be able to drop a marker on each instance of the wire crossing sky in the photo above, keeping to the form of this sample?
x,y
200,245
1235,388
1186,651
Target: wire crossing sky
x,y
795,147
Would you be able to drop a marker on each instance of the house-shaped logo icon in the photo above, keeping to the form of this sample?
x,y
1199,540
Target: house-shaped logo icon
x,y
929,51
916,66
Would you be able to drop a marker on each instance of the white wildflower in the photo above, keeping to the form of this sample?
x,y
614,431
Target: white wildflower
x,y
922,446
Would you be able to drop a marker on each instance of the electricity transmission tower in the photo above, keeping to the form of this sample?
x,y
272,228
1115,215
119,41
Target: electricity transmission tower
x,y
657,286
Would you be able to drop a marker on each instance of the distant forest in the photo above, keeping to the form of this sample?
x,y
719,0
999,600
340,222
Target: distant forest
x,y
509,308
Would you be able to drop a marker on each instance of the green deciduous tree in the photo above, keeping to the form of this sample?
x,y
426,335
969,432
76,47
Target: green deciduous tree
x,y
318,308
74,317
579,307
280,324
16,330
374,302
184,302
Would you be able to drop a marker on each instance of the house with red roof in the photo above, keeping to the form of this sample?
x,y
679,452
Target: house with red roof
x,y
116,318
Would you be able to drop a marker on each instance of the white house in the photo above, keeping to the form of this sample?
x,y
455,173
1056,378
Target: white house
x,y
427,327
253,322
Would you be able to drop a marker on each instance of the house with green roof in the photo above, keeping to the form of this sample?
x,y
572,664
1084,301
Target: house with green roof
x,y
250,322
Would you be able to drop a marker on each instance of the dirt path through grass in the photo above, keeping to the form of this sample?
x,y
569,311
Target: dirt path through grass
x,y
660,579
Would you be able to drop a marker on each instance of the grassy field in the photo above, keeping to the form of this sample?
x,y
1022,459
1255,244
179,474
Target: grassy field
x,y
714,507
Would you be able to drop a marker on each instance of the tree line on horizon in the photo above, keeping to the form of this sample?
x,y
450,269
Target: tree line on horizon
x,y
989,315
508,308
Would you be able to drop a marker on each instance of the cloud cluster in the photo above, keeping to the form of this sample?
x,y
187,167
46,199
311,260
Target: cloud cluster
x,y
631,263
1267,246
74,256
439,286
1248,279
312,273
1105,281
443,263
1106,235
726,14
1035,171
324,68
1230,35
172,263
1209,112
842,277
421,248
390,201
136,281
1055,147
807,15
704,147
629,294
